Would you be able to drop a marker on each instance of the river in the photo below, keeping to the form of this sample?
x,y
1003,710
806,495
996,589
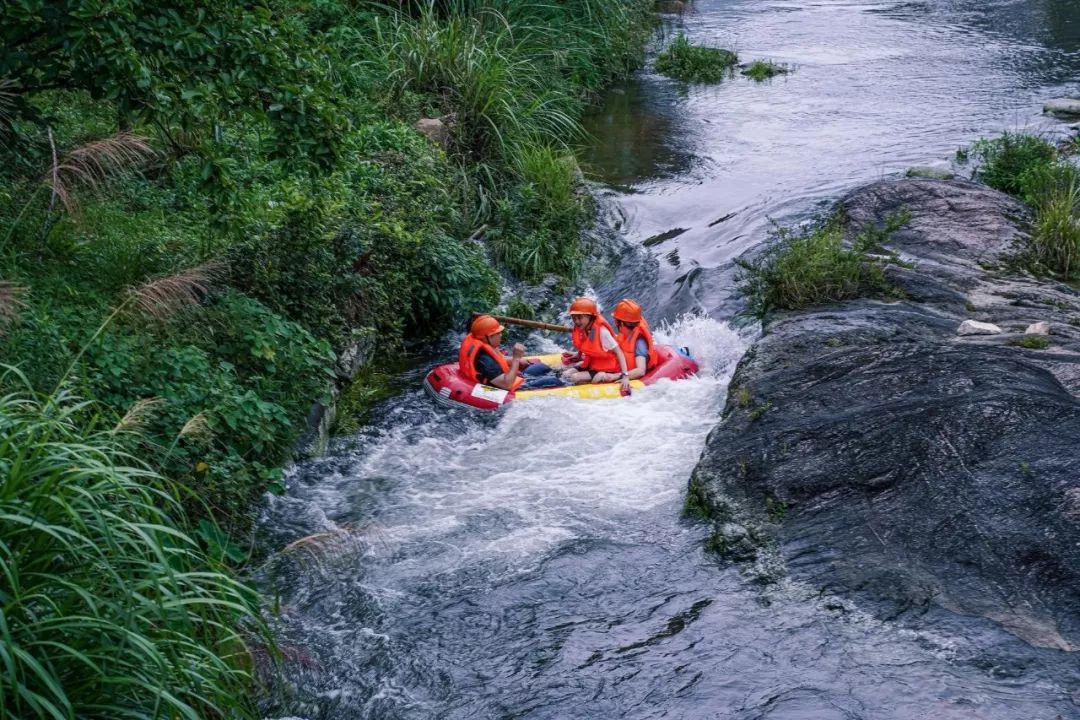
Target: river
x,y
538,565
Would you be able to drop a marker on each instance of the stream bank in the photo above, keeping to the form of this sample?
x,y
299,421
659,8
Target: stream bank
x,y
879,454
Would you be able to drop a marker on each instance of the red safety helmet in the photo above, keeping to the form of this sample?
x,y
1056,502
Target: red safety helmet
x,y
483,326
627,311
584,306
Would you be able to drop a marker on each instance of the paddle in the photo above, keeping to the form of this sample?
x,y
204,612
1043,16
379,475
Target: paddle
x,y
534,324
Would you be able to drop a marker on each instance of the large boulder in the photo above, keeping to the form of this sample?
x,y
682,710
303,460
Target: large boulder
x,y
869,449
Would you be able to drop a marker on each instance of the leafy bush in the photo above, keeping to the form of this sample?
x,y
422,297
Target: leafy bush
x,y
695,63
761,70
1007,162
109,609
1031,342
182,67
815,267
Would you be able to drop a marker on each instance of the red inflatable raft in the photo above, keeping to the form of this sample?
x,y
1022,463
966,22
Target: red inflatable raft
x,y
445,384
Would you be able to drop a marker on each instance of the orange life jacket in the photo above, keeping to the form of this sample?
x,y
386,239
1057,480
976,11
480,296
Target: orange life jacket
x,y
629,341
596,358
467,360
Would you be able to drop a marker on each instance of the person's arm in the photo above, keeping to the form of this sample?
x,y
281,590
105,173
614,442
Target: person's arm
x,y
641,359
625,377
506,380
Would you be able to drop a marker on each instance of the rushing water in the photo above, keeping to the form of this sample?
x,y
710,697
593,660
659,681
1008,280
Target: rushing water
x,y
445,565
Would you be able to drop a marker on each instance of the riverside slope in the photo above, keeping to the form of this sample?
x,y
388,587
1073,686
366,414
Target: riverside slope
x,y
868,449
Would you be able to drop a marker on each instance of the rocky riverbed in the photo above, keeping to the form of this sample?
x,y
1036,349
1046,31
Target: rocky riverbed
x,y
871,450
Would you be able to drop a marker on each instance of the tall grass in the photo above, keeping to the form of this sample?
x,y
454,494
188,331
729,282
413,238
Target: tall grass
x,y
817,266
107,610
514,77
1030,168
499,86
1054,194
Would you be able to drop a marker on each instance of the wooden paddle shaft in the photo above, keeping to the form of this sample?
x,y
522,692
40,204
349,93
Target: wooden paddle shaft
x,y
534,324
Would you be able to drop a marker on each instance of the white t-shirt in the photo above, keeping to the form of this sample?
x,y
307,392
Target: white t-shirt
x,y
607,341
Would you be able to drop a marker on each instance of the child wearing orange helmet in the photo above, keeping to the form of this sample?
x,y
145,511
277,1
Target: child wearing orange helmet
x,y
601,358
635,339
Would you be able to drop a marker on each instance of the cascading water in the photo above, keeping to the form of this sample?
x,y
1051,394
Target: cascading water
x,y
536,563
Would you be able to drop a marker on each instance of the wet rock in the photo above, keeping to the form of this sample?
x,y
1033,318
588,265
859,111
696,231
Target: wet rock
x,y
356,353
316,437
974,327
1039,328
915,467
1063,107
930,171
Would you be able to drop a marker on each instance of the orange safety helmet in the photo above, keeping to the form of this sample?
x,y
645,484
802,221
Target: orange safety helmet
x,y
483,326
584,306
628,311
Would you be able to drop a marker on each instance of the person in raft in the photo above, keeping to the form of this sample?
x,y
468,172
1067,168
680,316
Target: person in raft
x,y
599,358
481,361
635,338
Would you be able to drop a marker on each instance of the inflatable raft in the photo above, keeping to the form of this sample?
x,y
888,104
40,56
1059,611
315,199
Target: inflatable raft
x,y
448,387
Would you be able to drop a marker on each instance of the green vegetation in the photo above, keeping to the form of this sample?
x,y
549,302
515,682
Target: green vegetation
x,y
759,410
695,63
761,70
1031,342
1030,168
108,610
775,508
1053,191
198,207
816,266
696,505
1006,163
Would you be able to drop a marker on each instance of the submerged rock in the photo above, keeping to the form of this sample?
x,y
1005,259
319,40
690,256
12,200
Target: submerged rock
x,y
930,171
910,465
1063,107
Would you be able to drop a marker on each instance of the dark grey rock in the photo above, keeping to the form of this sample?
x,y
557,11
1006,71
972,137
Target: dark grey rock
x,y
875,453
316,438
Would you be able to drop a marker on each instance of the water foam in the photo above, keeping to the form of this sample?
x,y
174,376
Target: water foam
x,y
550,469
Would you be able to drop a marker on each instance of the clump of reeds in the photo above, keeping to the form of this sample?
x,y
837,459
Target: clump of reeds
x,y
817,266
1030,167
1054,194
762,70
168,295
500,87
91,165
695,63
109,609
1006,162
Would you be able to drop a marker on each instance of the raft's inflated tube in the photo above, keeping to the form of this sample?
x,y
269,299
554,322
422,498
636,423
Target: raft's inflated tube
x,y
446,385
